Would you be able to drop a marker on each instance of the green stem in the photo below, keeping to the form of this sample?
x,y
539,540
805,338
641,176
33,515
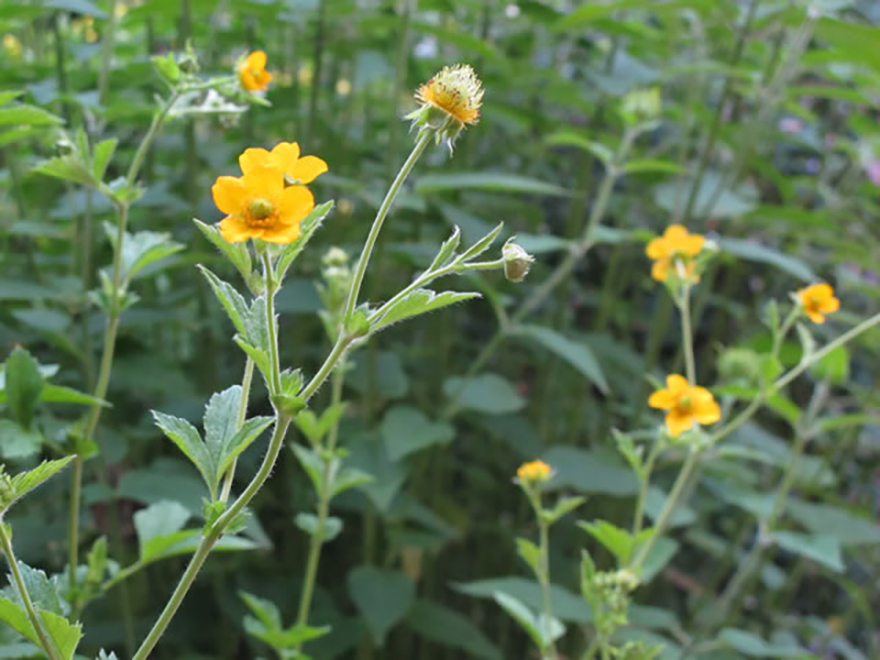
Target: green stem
x,y
73,529
242,414
317,540
207,542
687,335
155,125
47,644
663,519
644,484
390,196
107,44
544,574
271,329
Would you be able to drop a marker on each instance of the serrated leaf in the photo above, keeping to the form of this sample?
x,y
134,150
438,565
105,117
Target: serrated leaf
x,y
237,253
43,591
142,249
15,616
417,302
307,228
530,553
444,254
243,439
24,482
66,635
233,302
69,168
481,245
618,541
187,438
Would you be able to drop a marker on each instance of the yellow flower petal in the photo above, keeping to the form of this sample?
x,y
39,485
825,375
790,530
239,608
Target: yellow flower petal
x,y
661,399
675,233
307,169
235,229
253,158
229,194
678,422
295,203
660,270
676,384
691,245
657,248
256,60
285,155
281,234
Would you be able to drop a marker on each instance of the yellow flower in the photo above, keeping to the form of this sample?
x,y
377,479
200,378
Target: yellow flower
x,y
534,472
258,205
676,248
285,157
457,91
818,300
685,404
252,72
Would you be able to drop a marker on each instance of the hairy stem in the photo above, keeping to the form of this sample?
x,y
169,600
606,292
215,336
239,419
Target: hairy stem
x,y
47,644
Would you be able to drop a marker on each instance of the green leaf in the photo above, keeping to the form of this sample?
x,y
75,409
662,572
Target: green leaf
x,y
406,430
237,253
17,441
651,165
29,115
65,634
24,482
834,366
481,245
157,527
618,541
542,629
6,97
42,590
309,225
753,646
444,254
416,303
187,438
572,139
487,393
233,302
761,253
444,626
563,506
16,617
62,394
349,478
492,181
382,597
855,42
103,152
24,382
529,552
577,354
85,7
243,439
308,523
566,605
265,610
591,471
822,549
70,167
142,249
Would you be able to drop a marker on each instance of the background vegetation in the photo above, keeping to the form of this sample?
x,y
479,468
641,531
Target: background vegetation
x,y
767,142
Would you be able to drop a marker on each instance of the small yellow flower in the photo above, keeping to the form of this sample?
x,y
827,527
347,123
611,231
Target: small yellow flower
x,y
285,157
685,404
534,472
252,72
818,300
457,91
675,249
258,205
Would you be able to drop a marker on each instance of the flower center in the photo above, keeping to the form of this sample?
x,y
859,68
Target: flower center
x,y
685,404
260,210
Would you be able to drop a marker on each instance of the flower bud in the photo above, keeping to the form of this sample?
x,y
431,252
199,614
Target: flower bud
x,y
516,262
641,105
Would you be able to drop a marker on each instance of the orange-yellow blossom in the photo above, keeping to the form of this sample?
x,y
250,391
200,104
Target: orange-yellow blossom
x,y
534,471
817,301
258,205
685,404
252,72
676,247
285,157
457,91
